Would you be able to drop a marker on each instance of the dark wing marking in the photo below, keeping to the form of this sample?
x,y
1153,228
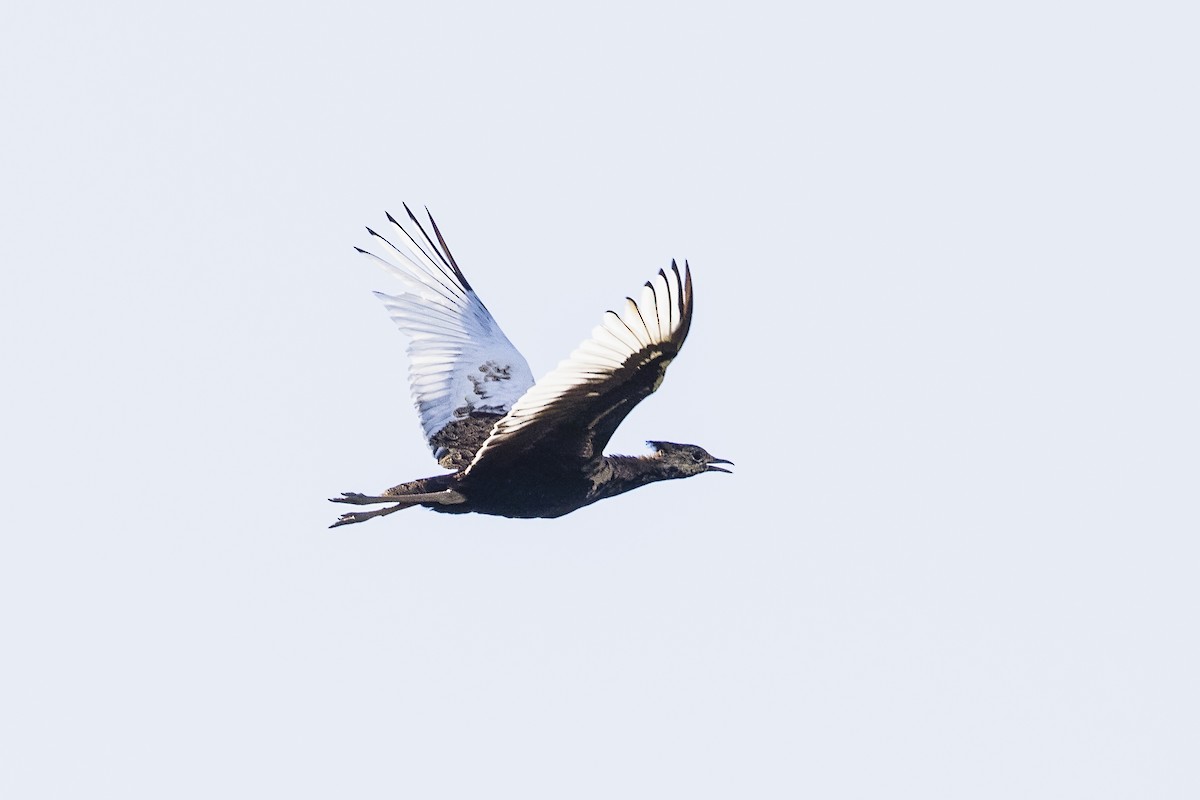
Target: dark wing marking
x,y
464,372
571,413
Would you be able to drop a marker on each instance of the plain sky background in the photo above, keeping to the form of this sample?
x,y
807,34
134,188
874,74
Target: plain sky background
x,y
946,269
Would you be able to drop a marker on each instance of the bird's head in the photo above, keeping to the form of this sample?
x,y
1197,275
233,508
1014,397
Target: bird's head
x,y
689,459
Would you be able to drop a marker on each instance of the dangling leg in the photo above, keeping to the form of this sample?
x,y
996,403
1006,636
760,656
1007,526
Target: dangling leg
x,y
447,497
362,516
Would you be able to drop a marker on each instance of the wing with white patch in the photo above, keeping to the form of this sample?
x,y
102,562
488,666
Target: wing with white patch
x,y
572,412
464,372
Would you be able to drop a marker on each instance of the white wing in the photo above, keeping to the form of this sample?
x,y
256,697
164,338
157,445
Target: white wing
x,y
460,362
575,409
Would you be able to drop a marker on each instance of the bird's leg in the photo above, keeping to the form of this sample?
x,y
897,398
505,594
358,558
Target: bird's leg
x,y
360,499
362,516
447,497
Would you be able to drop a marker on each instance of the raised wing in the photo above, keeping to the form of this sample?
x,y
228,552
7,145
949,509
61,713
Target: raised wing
x,y
464,372
572,412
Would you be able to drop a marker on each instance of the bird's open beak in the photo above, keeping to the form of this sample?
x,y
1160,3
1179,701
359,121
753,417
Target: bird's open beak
x,y
711,468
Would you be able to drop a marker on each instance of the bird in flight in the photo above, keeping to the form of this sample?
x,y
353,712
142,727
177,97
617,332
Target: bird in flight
x,y
520,448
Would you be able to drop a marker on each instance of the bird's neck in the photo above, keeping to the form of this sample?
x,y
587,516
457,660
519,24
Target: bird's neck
x,y
617,474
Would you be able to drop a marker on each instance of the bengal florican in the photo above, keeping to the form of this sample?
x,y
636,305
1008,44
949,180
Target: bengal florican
x,y
520,448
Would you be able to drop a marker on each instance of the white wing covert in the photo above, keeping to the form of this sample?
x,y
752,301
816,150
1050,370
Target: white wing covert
x,y
461,365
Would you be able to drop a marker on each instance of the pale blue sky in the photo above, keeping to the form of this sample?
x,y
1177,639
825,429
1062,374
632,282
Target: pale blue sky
x,y
945,264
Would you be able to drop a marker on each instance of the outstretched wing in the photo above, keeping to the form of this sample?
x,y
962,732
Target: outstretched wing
x,y
464,372
572,413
